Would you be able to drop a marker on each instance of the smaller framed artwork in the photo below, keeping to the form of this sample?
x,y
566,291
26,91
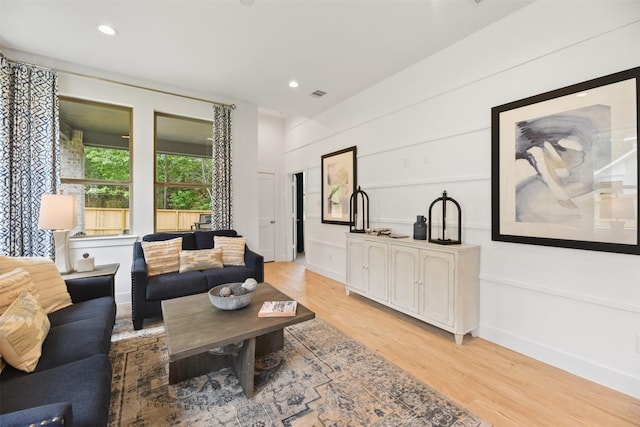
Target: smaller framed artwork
x,y
564,166
339,170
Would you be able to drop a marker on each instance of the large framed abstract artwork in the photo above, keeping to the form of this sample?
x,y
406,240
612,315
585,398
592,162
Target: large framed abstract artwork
x,y
339,171
565,166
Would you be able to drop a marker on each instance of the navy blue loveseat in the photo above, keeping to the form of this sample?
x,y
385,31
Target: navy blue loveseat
x,y
147,293
71,384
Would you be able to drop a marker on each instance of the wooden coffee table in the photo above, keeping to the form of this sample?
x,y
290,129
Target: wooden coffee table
x,y
194,326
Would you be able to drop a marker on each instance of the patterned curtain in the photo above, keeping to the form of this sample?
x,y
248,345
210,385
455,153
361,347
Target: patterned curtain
x,y
29,156
222,186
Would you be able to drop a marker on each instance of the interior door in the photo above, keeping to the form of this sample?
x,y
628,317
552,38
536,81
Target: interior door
x,y
266,216
299,193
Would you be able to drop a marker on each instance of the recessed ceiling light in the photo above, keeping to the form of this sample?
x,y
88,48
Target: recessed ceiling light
x,y
293,83
107,29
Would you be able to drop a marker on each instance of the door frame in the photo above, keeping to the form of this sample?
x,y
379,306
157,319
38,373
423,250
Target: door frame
x,y
274,221
291,213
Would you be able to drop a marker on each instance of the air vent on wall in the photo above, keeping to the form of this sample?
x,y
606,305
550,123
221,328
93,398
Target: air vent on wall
x,y
318,93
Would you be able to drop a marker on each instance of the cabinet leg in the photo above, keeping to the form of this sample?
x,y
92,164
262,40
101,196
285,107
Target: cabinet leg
x,y
347,291
474,333
458,338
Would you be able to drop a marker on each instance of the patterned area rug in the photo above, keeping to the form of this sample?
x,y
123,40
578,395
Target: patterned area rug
x,y
321,378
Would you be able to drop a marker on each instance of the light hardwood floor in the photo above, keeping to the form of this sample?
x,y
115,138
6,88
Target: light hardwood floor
x,y
497,384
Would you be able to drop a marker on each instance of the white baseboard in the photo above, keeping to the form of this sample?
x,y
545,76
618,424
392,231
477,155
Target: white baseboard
x,y
603,375
335,275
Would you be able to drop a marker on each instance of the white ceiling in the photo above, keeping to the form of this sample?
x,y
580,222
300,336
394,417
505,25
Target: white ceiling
x,y
225,48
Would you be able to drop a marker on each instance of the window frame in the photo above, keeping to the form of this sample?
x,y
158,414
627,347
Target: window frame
x,y
157,184
84,181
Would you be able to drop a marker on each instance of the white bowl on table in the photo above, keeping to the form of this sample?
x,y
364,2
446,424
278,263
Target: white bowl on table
x,y
233,302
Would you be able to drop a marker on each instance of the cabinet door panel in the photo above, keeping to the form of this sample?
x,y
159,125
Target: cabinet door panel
x,y
436,301
355,264
405,265
376,262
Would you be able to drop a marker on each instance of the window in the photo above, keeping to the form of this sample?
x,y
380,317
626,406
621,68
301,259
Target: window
x,y
183,171
95,164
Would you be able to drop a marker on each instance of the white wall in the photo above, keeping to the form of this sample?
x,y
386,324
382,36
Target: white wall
x,y
427,129
144,104
108,250
271,160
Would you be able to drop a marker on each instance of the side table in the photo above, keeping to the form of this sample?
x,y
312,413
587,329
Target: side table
x,y
95,283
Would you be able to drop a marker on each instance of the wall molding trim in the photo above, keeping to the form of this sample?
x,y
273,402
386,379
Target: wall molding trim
x,y
404,221
326,243
102,241
420,182
429,140
574,296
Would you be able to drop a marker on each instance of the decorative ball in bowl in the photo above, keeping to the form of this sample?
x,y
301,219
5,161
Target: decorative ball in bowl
x,y
230,296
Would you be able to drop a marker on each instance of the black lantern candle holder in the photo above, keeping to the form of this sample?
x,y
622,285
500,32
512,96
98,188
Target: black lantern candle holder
x,y
359,212
444,237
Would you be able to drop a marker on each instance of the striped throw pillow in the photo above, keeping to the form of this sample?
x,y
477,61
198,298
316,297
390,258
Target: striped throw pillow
x,y
12,284
50,289
232,249
201,259
23,329
162,257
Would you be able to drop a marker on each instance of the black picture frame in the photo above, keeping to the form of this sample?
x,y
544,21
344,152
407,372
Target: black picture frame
x,y
339,182
564,166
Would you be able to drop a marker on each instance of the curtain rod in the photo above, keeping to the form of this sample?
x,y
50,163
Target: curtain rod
x,y
73,73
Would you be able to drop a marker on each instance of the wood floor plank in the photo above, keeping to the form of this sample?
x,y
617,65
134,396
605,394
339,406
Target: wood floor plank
x,y
500,385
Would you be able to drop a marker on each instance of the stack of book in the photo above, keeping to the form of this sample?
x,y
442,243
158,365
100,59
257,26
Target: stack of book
x,y
278,309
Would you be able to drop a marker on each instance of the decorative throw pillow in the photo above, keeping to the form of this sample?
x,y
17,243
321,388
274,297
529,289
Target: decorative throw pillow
x,y
162,257
50,288
23,329
11,284
232,249
202,259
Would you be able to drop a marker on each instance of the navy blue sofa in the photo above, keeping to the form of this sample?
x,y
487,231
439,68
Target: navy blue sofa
x,y
147,293
71,385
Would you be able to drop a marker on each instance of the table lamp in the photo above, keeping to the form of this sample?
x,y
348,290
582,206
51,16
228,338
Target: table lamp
x,y
359,212
617,210
445,237
58,213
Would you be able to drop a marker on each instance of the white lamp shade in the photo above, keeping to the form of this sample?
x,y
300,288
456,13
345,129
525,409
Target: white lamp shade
x,y
617,207
57,212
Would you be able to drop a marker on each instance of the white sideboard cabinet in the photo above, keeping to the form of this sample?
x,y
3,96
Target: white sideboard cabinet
x,y
437,284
